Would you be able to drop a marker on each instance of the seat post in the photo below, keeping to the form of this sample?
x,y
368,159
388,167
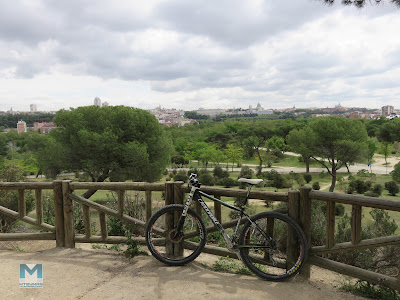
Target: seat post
x,y
248,192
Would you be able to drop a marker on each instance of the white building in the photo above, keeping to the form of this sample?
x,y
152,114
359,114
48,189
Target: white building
x,y
33,107
97,101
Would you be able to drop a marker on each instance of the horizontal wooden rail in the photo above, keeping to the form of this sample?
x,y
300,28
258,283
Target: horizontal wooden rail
x,y
374,202
115,186
27,236
352,271
364,244
26,219
26,185
112,212
261,195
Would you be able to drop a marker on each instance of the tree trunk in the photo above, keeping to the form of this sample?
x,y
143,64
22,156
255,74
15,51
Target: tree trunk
x,y
261,161
307,161
90,193
331,189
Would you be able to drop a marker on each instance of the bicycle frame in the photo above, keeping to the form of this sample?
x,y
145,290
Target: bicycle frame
x,y
195,194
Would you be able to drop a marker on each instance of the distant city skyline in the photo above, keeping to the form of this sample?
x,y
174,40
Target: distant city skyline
x,y
175,53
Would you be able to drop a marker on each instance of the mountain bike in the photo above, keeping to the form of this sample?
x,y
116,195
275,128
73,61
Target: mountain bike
x,y
270,244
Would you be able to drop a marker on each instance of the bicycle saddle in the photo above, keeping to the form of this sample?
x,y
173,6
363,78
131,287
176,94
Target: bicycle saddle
x,y
250,181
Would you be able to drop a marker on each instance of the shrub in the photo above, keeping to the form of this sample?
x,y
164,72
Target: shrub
x,y
307,177
206,179
396,172
392,187
220,173
377,189
316,185
181,176
226,182
371,194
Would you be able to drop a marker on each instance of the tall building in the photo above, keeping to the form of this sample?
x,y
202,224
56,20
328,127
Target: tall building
x,y
105,103
33,107
97,101
21,126
387,110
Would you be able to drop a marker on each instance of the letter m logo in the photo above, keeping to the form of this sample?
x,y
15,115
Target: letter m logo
x,y
31,269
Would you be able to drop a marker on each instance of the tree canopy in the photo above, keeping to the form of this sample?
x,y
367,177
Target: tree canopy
x,y
114,142
335,142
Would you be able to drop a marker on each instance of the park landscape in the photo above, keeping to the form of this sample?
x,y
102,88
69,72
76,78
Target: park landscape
x,y
123,144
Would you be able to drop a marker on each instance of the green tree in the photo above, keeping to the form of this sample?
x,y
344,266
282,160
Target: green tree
x,y
9,199
299,142
385,148
115,142
336,141
396,172
372,148
234,153
254,138
276,145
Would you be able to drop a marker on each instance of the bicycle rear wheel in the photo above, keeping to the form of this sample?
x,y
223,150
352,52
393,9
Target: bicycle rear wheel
x,y
273,246
165,245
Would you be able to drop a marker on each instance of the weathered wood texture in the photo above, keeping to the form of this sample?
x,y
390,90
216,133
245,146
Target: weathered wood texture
x,y
352,199
27,236
69,230
115,186
59,213
305,224
355,272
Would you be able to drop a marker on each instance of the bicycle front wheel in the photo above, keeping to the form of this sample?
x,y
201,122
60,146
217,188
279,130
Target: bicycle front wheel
x,y
273,246
171,247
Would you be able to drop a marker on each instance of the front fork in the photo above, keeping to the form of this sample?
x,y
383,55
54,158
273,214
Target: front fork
x,y
184,212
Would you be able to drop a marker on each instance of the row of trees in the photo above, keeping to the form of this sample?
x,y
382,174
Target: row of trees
x,y
333,142
120,143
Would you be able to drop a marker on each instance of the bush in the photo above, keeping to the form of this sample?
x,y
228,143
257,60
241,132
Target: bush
x,y
226,182
377,189
307,177
206,179
316,186
396,172
392,187
220,173
181,176
371,194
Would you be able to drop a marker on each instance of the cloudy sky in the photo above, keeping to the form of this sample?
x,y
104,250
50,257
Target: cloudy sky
x,y
197,53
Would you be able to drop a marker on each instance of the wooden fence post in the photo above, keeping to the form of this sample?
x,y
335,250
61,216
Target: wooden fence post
x,y
39,206
169,218
68,215
330,224
149,209
21,203
294,213
178,199
305,223
59,213
356,216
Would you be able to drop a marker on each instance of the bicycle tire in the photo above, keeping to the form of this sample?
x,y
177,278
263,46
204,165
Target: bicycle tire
x,y
271,260
170,251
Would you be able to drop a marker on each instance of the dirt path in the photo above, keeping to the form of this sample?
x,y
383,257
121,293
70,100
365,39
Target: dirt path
x,y
103,274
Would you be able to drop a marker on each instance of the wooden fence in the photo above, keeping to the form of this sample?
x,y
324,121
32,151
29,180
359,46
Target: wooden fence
x,y
299,208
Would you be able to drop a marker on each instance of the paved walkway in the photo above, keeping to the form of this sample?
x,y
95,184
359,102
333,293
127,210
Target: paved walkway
x,y
105,274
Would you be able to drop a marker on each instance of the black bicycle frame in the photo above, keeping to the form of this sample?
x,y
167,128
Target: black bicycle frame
x,y
195,194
